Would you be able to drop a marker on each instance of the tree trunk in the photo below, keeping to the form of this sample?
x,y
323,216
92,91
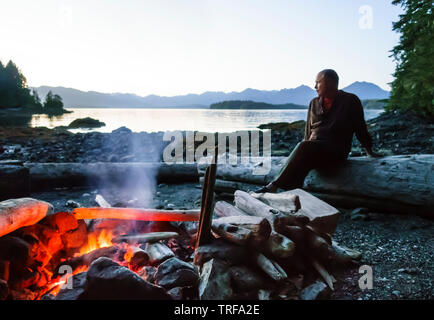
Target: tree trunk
x,y
48,175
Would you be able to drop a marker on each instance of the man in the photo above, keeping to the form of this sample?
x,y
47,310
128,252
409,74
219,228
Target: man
x,y
332,119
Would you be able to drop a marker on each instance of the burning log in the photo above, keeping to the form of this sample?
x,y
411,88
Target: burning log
x,y
4,270
158,252
17,213
62,222
146,237
137,258
136,214
86,259
75,238
270,267
243,230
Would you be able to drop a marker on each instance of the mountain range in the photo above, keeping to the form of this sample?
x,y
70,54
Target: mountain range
x,y
300,95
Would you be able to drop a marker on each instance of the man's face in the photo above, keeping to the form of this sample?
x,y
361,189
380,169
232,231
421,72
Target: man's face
x,y
320,85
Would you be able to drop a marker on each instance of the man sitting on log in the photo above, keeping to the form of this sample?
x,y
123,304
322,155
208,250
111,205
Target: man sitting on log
x,y
332,119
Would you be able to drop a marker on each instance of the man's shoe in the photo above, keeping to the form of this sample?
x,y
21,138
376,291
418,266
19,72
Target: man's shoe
x,y
270,188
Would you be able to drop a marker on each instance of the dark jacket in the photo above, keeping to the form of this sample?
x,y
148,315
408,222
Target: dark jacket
x,y
339,123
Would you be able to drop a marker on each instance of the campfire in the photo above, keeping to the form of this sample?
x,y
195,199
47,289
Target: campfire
x,y
262,246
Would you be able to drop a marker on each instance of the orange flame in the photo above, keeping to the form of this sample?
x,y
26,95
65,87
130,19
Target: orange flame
x,y
96,240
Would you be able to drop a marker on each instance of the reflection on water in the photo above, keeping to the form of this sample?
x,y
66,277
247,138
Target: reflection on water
x,y
153,120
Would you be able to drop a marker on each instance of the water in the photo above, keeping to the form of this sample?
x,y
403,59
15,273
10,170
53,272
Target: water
x,y
154,120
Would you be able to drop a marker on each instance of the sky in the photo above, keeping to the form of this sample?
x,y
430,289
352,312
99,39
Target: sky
x,y
174,47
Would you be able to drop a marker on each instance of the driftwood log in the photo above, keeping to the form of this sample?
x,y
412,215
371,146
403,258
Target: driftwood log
x,y
391,184
136,214
48,175
322,216
17,213
276,244
14,180
146,237
243,230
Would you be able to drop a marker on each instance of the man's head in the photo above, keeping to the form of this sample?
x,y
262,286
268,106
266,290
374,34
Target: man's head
x,y
326,82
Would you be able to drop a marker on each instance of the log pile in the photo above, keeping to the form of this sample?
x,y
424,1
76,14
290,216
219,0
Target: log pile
x,y
282,241
396,184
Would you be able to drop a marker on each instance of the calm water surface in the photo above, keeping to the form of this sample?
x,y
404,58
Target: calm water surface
x,y
153,120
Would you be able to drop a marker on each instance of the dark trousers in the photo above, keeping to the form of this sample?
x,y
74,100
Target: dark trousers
x,y
308,155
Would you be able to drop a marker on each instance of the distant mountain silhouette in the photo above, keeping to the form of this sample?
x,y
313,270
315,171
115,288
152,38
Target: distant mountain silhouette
x,y
300,95
367,90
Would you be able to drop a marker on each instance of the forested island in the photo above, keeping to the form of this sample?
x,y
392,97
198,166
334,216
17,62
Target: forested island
x,y
248,104
18,103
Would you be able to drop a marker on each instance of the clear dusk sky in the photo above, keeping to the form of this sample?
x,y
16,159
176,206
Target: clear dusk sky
x,y
172,47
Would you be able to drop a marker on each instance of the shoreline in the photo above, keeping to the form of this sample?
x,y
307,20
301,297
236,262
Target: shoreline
x,y
393,133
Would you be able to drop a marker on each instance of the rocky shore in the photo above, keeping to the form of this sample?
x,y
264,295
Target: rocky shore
x,y
398,247
393,133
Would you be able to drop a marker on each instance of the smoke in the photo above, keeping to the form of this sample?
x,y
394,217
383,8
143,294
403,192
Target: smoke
x,y
131,180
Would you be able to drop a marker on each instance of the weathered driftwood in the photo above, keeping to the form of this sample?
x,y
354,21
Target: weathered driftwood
x,y
47,175
224,209
158,252
245,171
226,186
247,203
146,237
207,204
285,202
323,217
243,230
406,178
17,213
103,203
136,214
328,278
271,268
279,246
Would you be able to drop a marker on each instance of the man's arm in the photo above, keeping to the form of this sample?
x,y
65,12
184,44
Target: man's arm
x,y
307,127
361,128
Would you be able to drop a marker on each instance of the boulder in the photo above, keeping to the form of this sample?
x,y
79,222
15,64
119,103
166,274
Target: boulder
x,y
215,281
176,273
107,280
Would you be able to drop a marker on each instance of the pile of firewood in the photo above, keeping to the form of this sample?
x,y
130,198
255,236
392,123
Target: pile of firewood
x,y
285,238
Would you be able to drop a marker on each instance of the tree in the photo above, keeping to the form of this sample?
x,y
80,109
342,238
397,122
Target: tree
x,y
413,87
53,104
13,87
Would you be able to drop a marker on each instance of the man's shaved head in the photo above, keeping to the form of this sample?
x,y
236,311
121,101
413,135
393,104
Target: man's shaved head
x,y
331,76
